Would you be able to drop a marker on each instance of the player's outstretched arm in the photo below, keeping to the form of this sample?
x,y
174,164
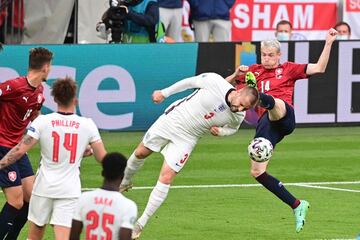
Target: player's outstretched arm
x,y
98,150
320,66
18,151
240,70
76,228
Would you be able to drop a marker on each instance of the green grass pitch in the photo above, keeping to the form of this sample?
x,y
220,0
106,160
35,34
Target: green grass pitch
x,y
308,155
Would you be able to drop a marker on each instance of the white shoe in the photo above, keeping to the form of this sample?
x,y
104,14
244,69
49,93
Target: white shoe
x,y
136,231
125,187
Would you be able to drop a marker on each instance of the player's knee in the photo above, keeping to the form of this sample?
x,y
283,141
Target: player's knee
x,y
139,154
16,203
256,172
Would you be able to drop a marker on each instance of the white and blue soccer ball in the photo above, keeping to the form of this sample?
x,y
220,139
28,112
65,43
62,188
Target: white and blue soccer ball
x,y
260,149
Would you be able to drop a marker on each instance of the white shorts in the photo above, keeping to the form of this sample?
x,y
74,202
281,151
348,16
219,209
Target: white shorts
x,y
175,149
56,211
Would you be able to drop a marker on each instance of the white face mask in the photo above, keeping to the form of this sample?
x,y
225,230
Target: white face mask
x,y
283,36
342,37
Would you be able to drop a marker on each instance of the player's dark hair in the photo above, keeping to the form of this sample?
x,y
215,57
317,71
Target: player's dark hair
x,y
113,166
38,57
64,91
284,22
343,23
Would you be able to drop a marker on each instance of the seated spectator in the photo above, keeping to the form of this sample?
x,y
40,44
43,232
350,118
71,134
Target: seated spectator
x,y
171,16
211,17
284,32
344,31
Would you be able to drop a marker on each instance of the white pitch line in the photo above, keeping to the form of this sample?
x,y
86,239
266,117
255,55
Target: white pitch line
x,y
302,184
327,188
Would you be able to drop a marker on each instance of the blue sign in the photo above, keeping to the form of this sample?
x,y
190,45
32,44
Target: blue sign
x,y
115,81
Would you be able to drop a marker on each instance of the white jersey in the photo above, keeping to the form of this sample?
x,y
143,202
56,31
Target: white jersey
x,y
207,106
104,212
63,140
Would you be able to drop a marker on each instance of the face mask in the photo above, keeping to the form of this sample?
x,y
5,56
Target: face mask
x,y
342,37
283,36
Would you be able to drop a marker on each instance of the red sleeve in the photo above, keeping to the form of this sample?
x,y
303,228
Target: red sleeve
x,y
296,71
7,89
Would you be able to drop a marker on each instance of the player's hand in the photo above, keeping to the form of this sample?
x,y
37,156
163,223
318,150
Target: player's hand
x,y
331,35
157,96
214,130
241,70
88,151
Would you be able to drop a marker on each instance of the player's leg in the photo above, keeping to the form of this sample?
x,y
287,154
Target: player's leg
x,y
134,163
61,218
275,131
175,159
151,142
36,232
27,182
11,209
10,182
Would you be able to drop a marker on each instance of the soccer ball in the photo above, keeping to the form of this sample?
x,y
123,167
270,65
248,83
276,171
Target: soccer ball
x,y
260,149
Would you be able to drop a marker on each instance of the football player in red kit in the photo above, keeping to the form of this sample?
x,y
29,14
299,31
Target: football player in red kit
x,y
20,102
276,82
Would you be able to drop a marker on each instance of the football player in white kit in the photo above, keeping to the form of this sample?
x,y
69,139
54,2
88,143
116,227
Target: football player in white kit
x,y
64,138
215,107
105,213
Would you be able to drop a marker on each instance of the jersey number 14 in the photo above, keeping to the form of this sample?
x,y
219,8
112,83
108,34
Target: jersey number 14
x,y
70,144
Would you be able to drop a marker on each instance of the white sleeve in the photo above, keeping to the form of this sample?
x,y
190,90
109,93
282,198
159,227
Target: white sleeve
x,y
94,131
34,129
232,127
130,216
199,81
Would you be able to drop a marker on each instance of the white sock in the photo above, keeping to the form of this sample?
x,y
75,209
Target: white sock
x,y
157,197
132,166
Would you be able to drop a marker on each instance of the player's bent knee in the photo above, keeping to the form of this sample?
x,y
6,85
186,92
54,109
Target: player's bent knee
x,y
18,203
256,172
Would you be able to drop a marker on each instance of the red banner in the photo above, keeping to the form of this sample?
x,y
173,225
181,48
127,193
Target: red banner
x,y
352,5
256,19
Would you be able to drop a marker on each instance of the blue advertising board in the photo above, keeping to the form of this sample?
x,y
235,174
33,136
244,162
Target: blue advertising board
x,y
115,81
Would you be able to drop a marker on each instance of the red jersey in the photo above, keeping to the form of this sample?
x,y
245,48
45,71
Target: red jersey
x,y
278,82
19,103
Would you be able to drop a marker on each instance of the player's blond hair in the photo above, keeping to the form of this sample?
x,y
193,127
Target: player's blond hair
x,y
271,43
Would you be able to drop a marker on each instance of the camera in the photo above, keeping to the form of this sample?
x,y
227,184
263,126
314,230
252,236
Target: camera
x,y
114,19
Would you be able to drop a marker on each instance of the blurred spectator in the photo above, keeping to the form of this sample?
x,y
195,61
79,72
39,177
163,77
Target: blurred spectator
x,y
344,31
211,17
171,15
46,21
284,32
11,21
140,25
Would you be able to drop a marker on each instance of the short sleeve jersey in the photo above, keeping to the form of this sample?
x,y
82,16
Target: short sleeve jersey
x,y
63,140
19,102
278,82
104,212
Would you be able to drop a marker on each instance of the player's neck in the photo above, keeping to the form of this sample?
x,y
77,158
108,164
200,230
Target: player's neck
x,y
63,109
110,186
34,78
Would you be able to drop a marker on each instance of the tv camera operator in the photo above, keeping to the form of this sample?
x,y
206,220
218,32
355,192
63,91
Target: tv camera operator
x,y
131,21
